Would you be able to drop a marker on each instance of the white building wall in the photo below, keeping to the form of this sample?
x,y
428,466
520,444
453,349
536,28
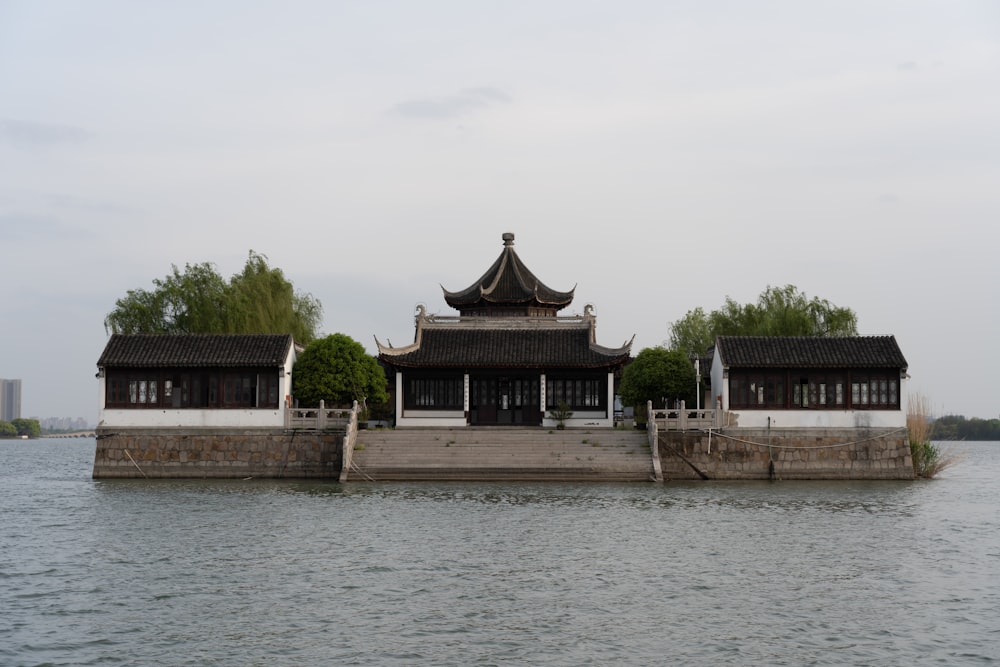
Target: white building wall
x,y
399,397
720,383
285,397
191,418
816,418
434,418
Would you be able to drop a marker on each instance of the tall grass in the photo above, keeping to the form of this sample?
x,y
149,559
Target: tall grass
x,y
928,459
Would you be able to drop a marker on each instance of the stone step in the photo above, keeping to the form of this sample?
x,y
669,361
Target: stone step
x,y
501,454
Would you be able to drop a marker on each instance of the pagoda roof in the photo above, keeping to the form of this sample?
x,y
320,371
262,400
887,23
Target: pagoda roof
x,y
544,342
508,283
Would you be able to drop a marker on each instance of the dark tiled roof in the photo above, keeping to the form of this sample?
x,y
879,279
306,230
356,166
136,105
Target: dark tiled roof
x,y
195,350
508,282
506,348
810,352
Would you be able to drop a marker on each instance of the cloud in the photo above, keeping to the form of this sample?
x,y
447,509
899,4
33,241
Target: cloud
x,y
25,227
25,134
908,66
81,204
469,99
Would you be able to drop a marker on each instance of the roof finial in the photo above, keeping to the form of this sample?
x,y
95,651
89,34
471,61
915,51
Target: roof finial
x,y
508,238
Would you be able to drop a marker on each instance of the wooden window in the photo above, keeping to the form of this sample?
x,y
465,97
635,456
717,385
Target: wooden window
x,y
442,393
142,392
579,394
199,393
875,390
784,389
592,393
759,389
117,391
246,388
267,390
239,390
774,393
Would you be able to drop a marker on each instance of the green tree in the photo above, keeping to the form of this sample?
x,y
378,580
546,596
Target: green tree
x,y
260,298
29,427
7,430
957,427
198,300
779,311
336,369
658,375
692,334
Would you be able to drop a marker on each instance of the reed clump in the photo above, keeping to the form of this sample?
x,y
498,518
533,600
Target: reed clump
x,y
928,458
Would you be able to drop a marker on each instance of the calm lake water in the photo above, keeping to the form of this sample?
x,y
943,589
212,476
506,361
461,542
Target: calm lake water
x,y
236,572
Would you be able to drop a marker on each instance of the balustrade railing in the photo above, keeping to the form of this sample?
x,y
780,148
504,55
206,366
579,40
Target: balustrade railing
x,y
319,419
685,419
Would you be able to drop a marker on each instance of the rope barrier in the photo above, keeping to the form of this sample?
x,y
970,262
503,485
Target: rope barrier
x,y
841,444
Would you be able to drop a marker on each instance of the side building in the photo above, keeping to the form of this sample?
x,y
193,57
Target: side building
x,y
816,382
508,358
797,408
203,381
207,406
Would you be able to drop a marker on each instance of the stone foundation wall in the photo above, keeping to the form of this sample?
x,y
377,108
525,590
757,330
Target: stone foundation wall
x,y
219,453
744,454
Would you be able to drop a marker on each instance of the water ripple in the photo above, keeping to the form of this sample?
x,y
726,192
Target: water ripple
x,y
250,572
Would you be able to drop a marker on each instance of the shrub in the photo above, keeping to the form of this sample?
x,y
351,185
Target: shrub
x,y
561,413
928,458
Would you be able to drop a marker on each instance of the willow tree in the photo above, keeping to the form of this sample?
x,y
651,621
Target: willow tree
x,y
779,311
199,300
260,299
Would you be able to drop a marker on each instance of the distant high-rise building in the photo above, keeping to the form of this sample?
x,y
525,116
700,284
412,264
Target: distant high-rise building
x,y
10,400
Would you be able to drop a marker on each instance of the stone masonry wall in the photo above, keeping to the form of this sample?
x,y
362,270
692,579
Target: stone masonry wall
x,y
219,453
744,454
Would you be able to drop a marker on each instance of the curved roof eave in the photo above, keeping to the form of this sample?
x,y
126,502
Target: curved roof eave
x,y
625,349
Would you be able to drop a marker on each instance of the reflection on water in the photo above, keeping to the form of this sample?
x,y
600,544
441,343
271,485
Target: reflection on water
x,y
255,572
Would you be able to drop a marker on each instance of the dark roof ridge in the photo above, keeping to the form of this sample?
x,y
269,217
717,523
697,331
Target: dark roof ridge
x,y
810,351
161,350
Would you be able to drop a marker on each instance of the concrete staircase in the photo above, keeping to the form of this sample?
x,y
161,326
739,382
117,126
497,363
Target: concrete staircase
x,y
501,453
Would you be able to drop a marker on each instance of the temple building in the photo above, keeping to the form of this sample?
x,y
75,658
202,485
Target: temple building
x,y
508,357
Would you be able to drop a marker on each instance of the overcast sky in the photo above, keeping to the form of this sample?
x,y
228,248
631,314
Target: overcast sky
x,y
660,156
